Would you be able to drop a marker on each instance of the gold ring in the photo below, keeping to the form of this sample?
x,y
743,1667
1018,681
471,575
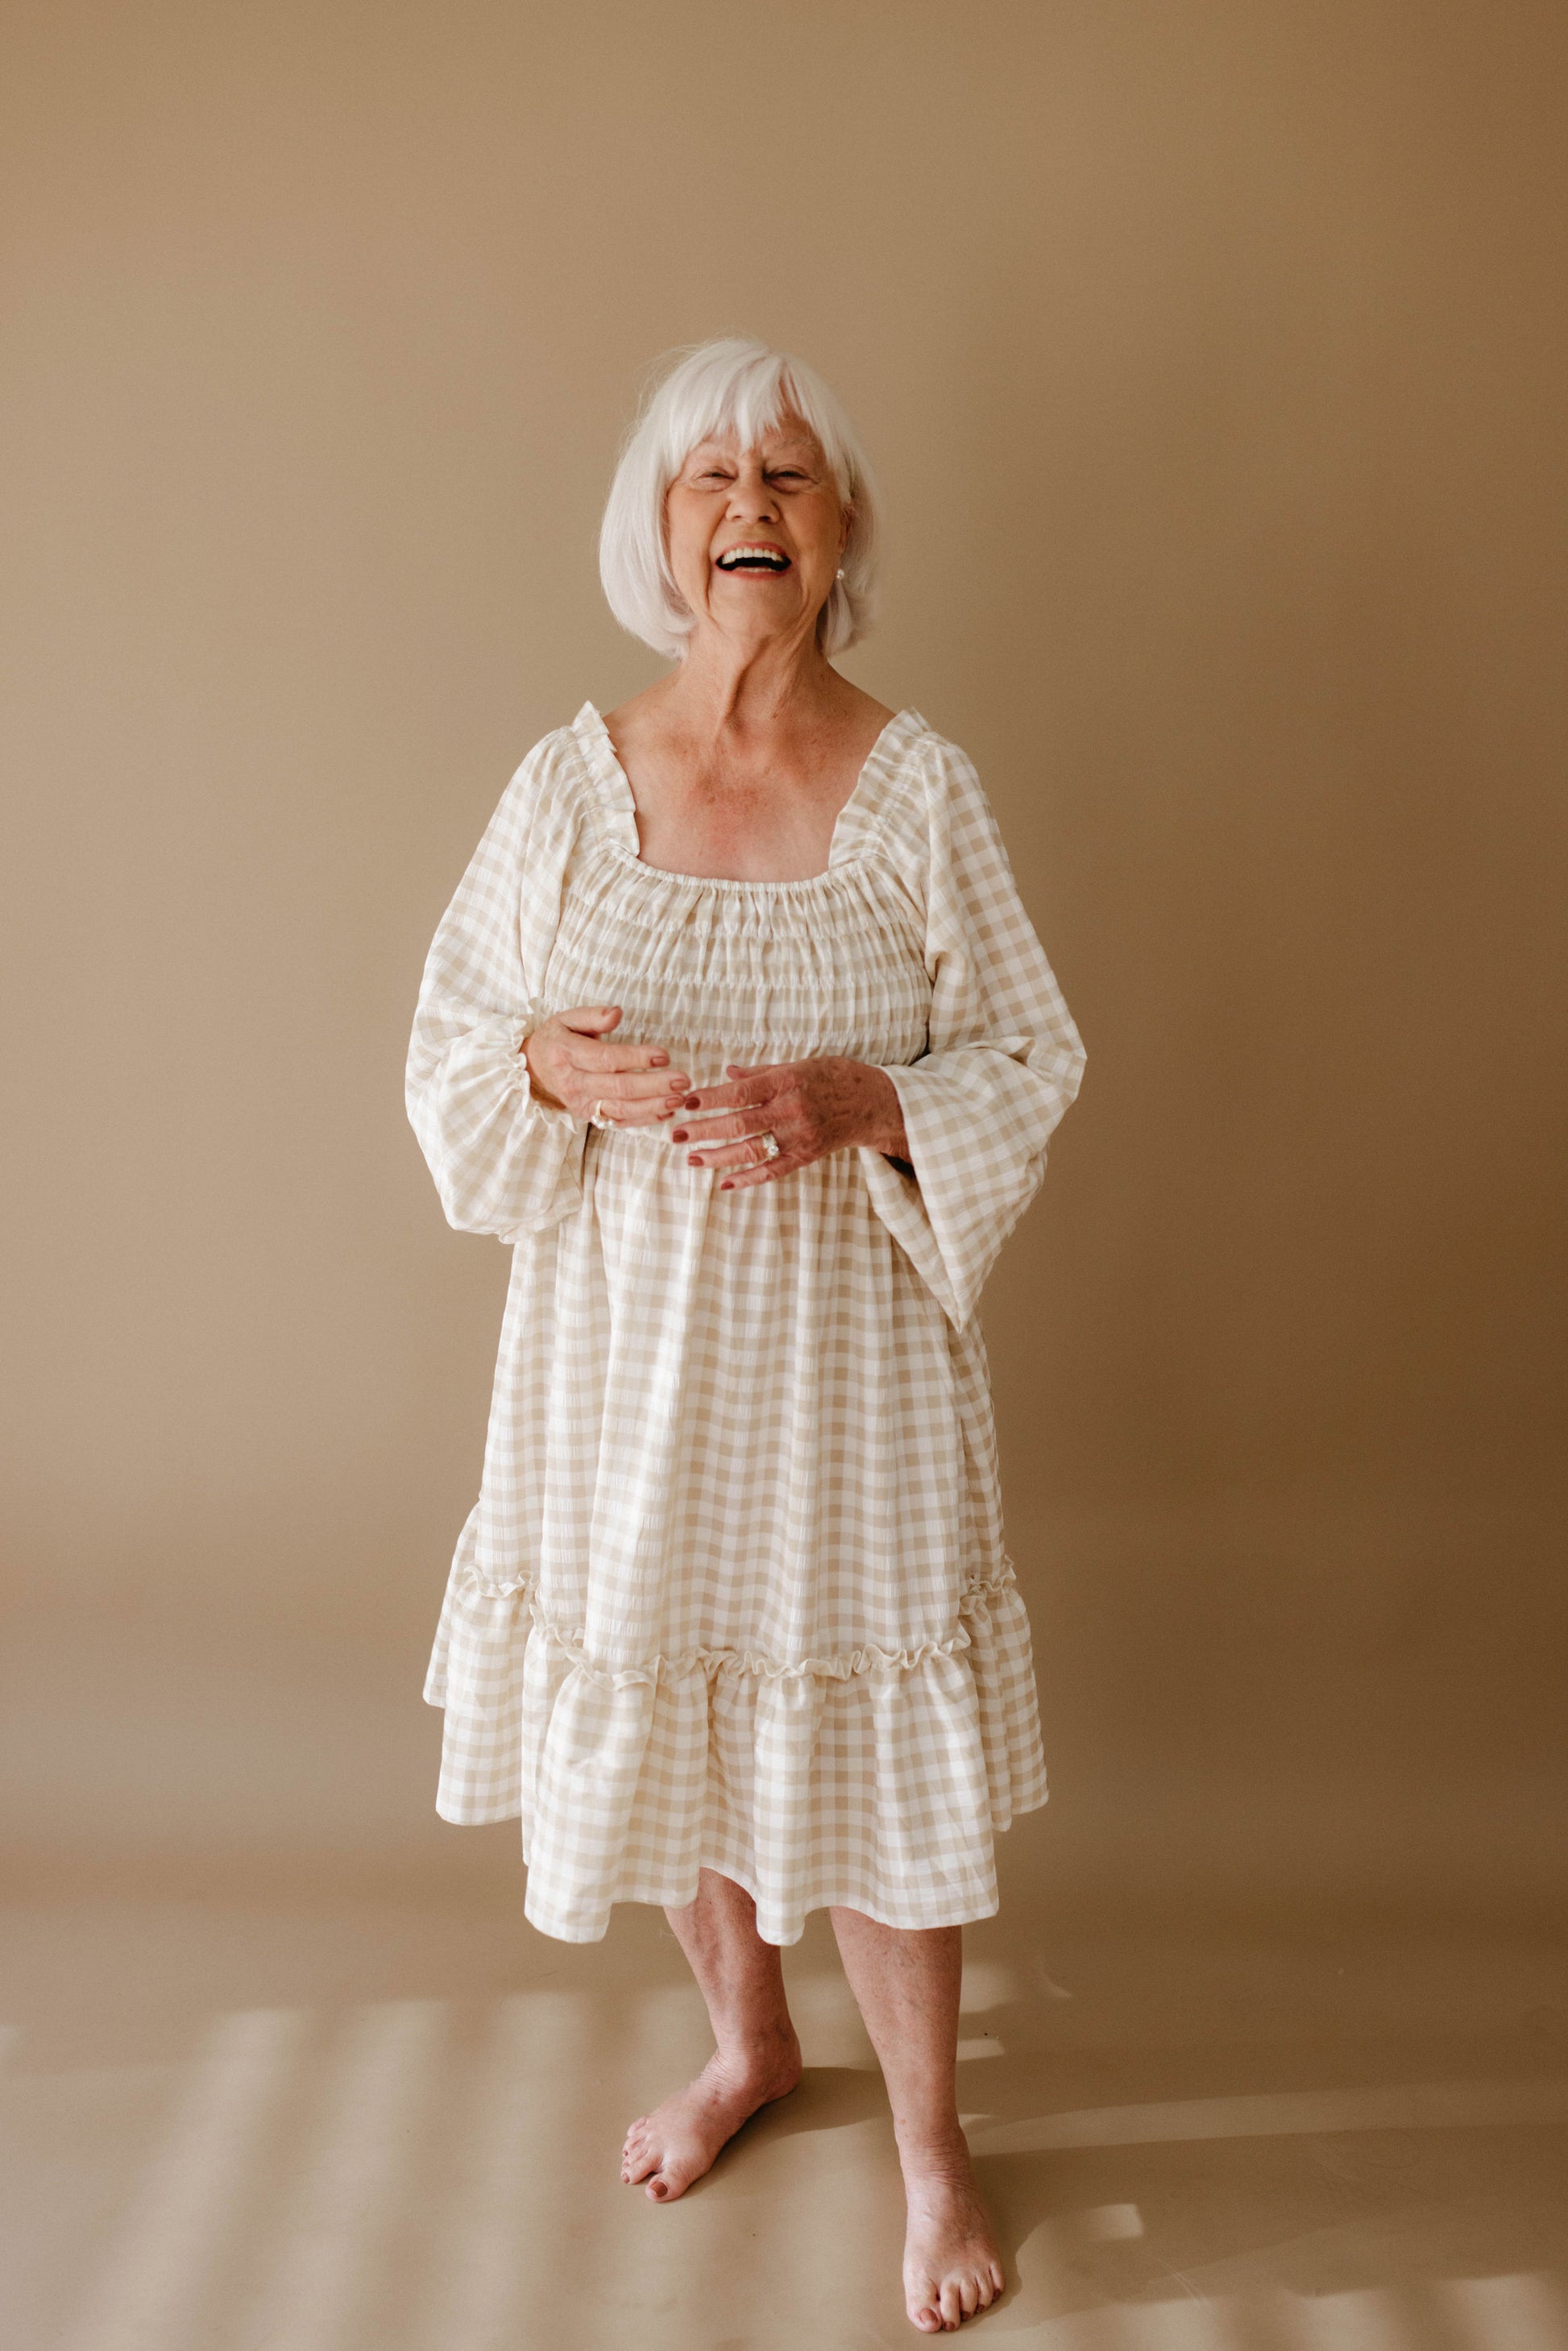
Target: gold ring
x,y
770,1146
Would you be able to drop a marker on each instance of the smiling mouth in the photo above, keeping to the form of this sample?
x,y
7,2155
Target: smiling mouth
x,y
754,559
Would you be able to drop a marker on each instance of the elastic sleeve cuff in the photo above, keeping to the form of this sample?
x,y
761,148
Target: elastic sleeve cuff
x,y
515,1030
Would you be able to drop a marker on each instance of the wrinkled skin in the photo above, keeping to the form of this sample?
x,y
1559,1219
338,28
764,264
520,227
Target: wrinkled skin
x,y
810,1107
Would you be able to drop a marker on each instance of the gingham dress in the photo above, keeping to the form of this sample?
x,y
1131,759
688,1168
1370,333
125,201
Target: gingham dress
x,y
733,1592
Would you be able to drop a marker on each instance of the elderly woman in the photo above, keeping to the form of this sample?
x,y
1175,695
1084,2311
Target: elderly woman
x,y
737,1030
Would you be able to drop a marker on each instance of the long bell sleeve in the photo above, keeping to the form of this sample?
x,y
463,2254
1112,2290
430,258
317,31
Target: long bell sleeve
x,y
504,1162
1003,1060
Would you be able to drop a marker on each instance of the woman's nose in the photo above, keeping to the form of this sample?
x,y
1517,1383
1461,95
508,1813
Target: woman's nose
x,y
751,500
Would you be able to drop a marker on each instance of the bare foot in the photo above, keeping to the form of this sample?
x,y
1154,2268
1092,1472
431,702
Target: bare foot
x,y
679,2140
951,2266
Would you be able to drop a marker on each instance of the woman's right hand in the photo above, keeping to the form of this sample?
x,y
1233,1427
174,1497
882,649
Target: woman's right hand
x,y
572,1068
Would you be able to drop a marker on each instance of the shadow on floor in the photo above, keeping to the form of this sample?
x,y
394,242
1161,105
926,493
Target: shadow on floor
x,y
353,2130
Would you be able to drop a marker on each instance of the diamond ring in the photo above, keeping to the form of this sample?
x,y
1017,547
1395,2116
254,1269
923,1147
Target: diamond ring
x,y
769,1145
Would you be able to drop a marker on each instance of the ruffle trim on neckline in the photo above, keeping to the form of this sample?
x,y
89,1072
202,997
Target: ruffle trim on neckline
x,y
854,829
757,1666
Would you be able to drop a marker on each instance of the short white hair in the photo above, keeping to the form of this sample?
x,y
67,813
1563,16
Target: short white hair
x,y
732,385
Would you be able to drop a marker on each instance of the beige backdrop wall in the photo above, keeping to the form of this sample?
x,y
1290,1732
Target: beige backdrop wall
x,y
1211,356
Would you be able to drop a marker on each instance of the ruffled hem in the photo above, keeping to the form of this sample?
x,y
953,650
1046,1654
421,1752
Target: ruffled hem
x,y
875,1778
866,1660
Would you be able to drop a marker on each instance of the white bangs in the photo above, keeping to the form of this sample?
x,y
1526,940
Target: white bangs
x,y
737,386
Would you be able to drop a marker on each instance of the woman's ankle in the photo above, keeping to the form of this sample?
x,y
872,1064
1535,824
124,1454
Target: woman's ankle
x,y
939,2154
759,2055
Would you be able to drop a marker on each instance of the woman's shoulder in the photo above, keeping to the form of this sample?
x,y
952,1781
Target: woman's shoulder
x,y
943,763
936,775
561,756
937,822
554,776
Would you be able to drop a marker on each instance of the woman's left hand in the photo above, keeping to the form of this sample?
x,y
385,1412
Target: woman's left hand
x,y
809,1107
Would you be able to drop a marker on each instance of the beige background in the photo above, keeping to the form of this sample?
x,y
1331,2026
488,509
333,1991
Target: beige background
x,y
1211,356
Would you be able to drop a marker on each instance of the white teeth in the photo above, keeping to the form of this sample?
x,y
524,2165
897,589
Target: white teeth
x,y
773,557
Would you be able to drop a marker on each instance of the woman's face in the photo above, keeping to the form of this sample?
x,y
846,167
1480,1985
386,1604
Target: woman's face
x,y
755,536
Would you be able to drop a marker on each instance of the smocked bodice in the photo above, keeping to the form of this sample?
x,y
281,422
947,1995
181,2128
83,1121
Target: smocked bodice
x,y
721,970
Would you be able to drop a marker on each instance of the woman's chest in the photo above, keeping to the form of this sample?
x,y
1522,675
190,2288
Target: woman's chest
x,y
759,821
755,838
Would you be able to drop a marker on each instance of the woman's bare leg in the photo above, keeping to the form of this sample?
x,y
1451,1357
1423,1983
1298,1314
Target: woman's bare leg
x,y
906,1982
757,2057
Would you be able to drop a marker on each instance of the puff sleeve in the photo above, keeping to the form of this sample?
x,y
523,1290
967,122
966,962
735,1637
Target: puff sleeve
x,y
503,1162
1003,1060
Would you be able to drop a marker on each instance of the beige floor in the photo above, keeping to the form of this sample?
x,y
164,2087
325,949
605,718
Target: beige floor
x,y
339,2128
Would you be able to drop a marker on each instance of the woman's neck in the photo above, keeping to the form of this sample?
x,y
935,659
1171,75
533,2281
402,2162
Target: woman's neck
x,y
722,688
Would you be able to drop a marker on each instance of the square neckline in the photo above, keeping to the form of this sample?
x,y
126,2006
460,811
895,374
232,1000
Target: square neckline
x,y
612,773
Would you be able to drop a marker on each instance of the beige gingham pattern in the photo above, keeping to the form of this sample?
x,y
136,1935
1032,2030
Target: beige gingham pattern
x,y
734,1591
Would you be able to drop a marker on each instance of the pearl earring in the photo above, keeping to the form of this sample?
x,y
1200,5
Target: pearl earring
x,y
840,574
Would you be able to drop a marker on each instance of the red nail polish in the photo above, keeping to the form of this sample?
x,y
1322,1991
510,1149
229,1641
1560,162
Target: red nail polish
x,y
727,1187
679,1134
691,1101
